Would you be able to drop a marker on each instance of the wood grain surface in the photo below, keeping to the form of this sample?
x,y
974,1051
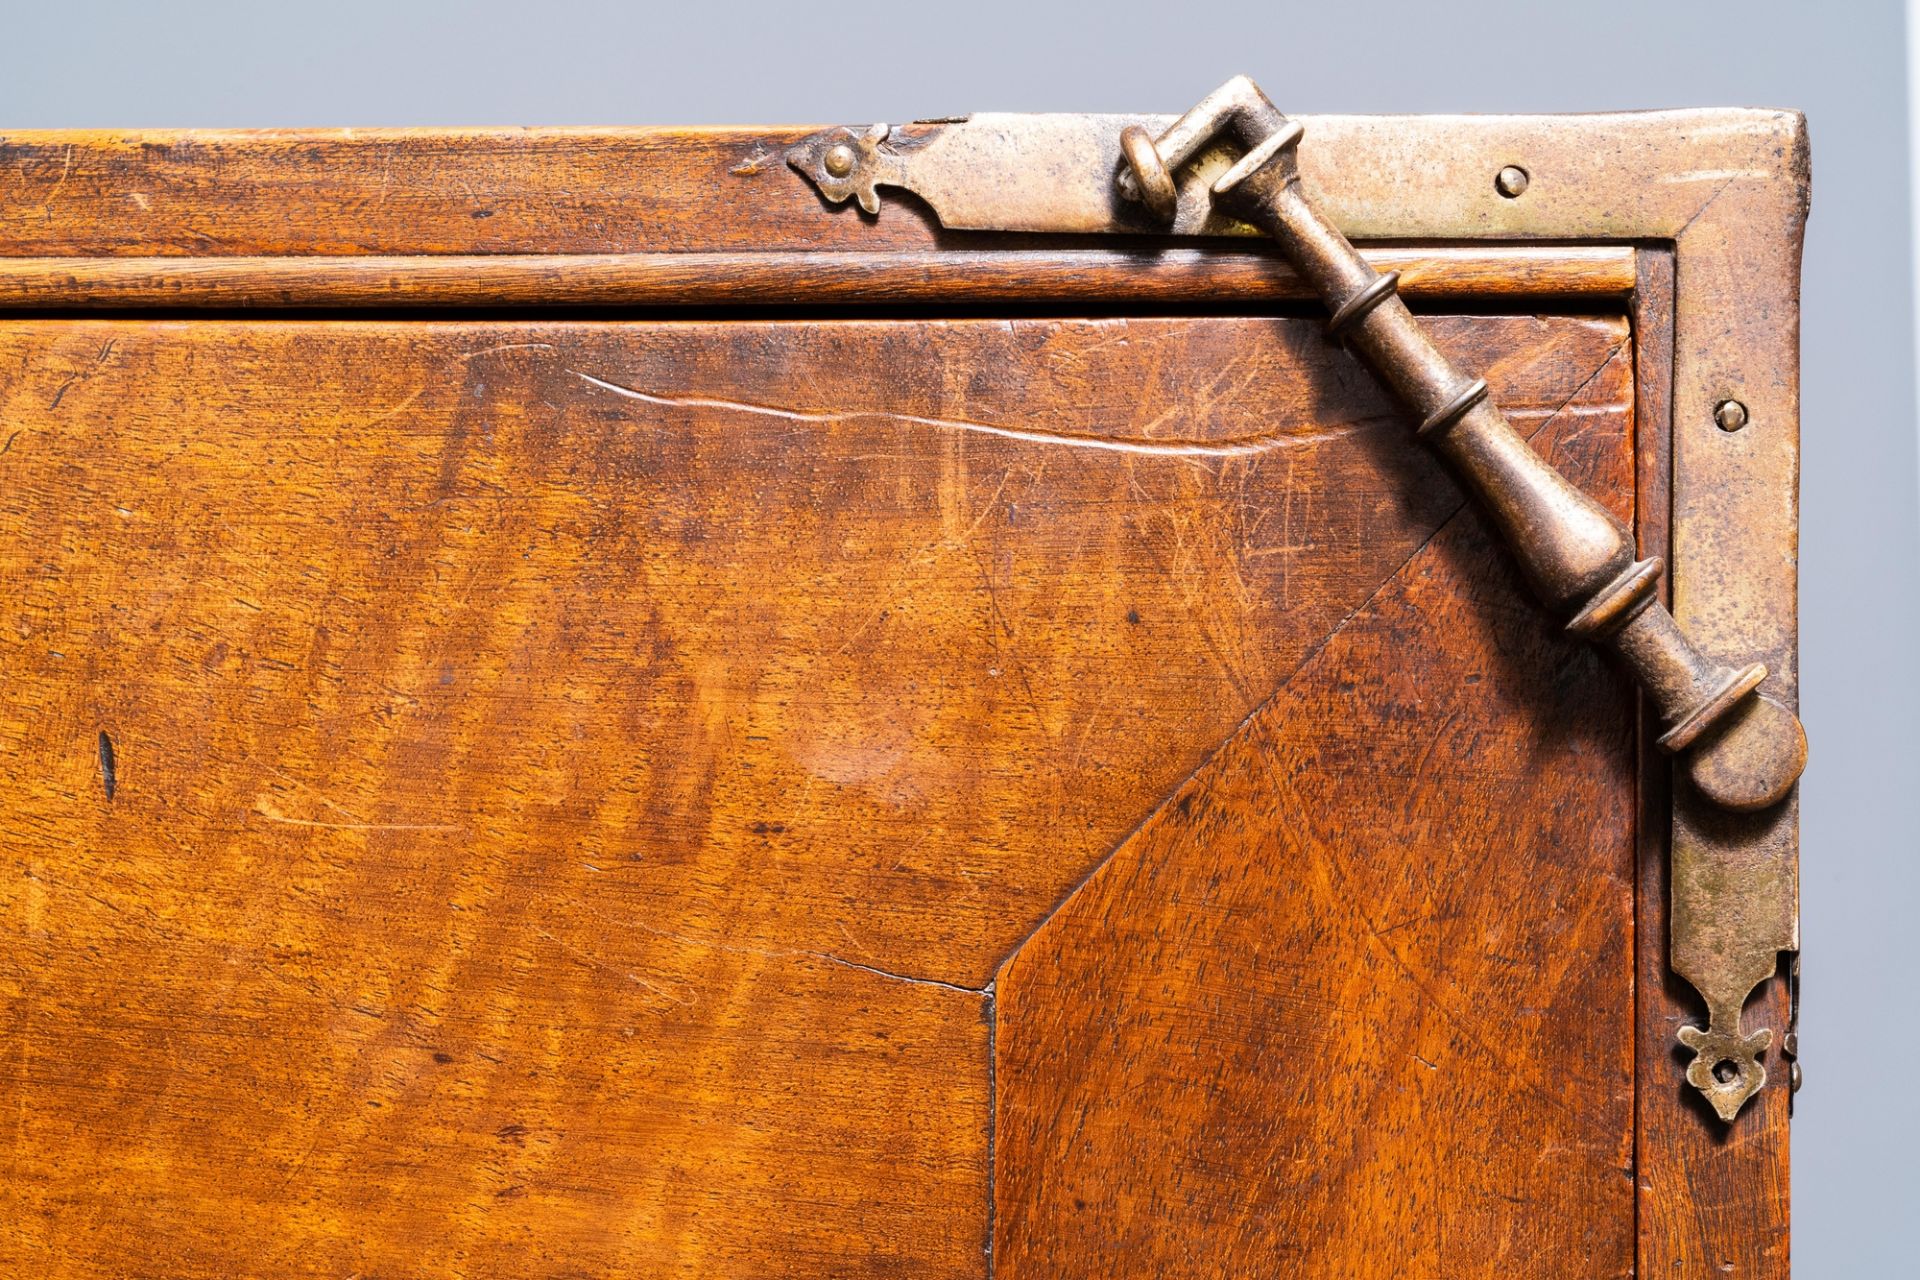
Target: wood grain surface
x,y
214,192
551,798
1352,1002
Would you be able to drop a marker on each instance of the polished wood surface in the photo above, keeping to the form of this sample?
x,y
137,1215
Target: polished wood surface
x,y
520,798
1348,1003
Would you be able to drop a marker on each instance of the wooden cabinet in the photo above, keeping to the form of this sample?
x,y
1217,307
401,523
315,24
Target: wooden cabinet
x,y
575,711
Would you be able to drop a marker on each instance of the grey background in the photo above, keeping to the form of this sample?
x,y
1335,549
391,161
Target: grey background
x,y
1857,1132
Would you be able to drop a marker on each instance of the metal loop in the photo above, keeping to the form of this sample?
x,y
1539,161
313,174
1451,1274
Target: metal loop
x,y
1258,158
1355,308
1616,604
1157,191
1453,410
1704,713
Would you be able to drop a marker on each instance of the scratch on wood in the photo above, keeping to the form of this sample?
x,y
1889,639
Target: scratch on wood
x,y
1233,447
403,406
754,162
61,394
505,346
593,963
109,773
66,171
265,808
790,953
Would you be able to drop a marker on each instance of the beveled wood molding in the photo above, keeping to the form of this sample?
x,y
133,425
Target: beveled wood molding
x,y
1515,274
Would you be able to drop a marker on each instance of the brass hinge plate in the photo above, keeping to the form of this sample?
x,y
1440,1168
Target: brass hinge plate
x,y
1001,172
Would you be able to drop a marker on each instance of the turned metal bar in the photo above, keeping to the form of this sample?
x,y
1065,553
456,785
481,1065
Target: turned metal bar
x,y
1742,750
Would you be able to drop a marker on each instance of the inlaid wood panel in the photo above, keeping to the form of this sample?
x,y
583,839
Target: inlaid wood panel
x,y
527,797
1355,1001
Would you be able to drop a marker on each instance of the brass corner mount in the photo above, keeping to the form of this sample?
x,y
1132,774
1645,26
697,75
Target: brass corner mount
x,y
1231,165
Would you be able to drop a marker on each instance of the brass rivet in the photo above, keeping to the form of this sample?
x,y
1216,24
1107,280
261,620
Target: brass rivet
x,y
1511,181
839,160
1730,414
